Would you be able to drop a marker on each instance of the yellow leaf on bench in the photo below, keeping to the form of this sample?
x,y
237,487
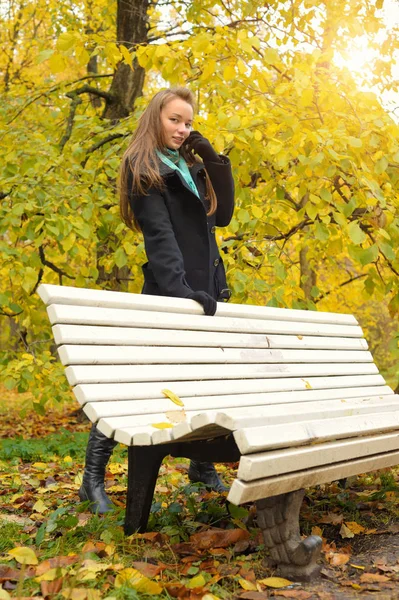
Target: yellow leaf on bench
x,y
307,384
172,396
162,425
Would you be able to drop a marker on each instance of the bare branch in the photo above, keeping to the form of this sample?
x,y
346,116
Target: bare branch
x,y
51,265
275,238
347,282
71,118
39,278
367,232
88,89
76,100
94,147
54,88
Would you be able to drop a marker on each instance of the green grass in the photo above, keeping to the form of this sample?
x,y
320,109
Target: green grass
x,y
60,444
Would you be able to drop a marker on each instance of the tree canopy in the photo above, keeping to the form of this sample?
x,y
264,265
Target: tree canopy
x,y
315,157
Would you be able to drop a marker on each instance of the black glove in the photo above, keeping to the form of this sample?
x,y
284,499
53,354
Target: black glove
x,y
208,303
201,146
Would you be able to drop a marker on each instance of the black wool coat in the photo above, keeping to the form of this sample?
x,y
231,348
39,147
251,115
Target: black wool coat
x,y
179,237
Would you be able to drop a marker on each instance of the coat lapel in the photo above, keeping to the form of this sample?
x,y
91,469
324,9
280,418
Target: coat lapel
x,y
166,171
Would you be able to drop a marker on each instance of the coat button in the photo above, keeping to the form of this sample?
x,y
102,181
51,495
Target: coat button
x,y
213,229
216,262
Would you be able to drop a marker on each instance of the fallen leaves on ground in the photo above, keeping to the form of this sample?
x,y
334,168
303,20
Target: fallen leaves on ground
x,y
373,578
196,547
218,538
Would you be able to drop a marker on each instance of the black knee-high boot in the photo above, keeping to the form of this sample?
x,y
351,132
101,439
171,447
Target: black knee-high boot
x,y
206,473
98,452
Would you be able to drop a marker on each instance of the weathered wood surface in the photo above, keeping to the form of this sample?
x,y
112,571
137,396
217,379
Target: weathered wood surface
x,y
98,410
286,383
55,294
165,355
242,491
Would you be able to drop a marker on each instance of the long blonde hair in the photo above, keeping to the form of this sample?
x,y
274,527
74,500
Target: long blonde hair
x,y
141,161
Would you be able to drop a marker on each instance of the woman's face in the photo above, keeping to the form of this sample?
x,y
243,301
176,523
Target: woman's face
x,y
176,119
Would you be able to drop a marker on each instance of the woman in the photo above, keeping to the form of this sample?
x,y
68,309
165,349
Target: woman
x,y
177,201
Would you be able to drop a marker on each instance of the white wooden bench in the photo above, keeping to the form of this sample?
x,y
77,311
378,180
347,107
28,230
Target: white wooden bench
x,y
293,395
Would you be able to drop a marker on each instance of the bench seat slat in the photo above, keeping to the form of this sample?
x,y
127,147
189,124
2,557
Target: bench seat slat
x,y
242,492
271,415
125,336
112,317
98,410
55,294
100,392
130,355
266,416
256,439
278,462
142,373
129,435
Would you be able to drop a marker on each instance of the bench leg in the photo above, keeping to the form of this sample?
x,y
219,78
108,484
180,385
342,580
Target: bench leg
x,y
143,468
278,518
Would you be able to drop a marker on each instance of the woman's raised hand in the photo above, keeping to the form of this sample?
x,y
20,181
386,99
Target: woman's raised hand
x,y
201,146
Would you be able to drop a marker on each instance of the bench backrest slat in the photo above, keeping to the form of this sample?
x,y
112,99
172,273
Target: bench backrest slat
x,y
98,410
99,392
125,336
141,373
235,418
197,424
54,294
111,317
238,418
130,355
232,418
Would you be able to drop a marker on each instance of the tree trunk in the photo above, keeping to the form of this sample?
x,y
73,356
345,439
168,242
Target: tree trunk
x,y
126,87
127,83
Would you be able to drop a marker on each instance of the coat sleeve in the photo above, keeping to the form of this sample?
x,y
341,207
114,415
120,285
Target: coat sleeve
x,y
163,252
223,183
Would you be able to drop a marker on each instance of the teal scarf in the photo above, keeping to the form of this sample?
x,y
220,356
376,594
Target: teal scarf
x,y
176,162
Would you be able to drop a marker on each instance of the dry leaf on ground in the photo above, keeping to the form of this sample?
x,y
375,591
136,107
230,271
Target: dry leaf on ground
x,y
356,528
147,569
255,595
373,578
58,561
50,588
336,559
298,594
218,538
275,582
332,518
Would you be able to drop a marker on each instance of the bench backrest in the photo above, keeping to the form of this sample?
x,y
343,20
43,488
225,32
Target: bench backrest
x,y
122,350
